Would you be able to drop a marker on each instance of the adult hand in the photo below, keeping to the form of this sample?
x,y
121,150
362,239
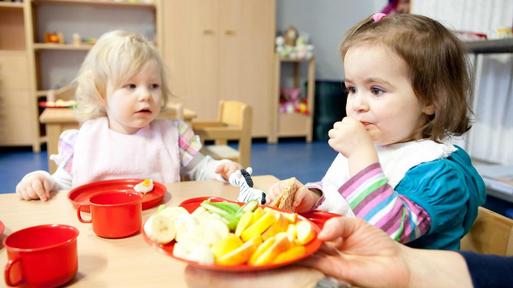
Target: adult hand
x,y
360,254
34,186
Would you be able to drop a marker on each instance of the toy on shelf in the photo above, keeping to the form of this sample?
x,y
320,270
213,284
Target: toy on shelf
x,y
290,101
76,40
294,45
54,37
89,40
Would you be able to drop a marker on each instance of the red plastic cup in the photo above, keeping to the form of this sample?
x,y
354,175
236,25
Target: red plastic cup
x,y
41,256
114,214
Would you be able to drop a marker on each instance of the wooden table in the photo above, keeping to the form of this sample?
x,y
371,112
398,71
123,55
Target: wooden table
x,y
131,262
59,119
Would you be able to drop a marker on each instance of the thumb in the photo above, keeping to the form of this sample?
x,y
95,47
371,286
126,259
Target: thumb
x,y
339,227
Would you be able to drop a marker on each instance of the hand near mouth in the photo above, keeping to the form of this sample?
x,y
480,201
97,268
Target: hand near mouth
x,y
350,138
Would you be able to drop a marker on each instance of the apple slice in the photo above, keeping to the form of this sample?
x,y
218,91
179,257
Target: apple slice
x,y
304,233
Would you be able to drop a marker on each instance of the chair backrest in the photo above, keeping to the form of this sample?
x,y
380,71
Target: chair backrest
x,y
233,123
172,111
492,233
239,114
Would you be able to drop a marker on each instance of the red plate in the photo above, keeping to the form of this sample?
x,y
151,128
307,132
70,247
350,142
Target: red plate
x,y
81,194
191,205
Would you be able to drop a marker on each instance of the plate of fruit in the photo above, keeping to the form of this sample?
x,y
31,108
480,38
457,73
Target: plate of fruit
x,y
217,234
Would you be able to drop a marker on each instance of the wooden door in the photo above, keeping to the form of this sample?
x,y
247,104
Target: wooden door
x,y
191,53
257,52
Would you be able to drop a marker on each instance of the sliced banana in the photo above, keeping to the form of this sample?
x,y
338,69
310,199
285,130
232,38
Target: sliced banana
x,y
160,229
173,212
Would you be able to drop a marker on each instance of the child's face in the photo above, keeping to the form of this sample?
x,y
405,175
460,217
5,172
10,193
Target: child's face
x,y
136,102
380,94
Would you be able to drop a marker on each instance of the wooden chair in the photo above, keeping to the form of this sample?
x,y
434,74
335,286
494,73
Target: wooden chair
x,y
492,233
233,123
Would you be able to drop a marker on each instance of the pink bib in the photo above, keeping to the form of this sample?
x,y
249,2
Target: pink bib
x,y
101,153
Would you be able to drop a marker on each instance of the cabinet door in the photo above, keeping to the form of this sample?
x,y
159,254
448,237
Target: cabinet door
x,y
256,53
231,33
221,49
191,53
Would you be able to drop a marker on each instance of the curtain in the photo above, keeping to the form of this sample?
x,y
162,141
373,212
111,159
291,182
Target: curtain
x,y
491,137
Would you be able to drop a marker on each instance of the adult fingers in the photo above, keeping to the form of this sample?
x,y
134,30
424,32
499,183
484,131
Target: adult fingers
x,y
339,227
333,266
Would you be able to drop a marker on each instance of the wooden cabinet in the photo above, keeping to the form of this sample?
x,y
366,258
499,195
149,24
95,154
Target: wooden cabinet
x,y
293,124
221,50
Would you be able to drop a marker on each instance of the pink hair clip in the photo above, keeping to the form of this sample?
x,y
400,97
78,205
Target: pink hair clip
x,y
378,16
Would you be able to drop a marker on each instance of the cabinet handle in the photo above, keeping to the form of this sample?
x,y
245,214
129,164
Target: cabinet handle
x,y
208,32
229,32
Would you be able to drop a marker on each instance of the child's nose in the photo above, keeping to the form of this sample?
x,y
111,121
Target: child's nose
x,y
359,103
144,94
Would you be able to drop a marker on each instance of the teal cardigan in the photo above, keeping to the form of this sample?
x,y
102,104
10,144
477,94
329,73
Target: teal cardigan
x,y
450,190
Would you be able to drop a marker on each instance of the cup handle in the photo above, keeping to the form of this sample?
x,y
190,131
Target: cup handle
x,y
7,272
79,215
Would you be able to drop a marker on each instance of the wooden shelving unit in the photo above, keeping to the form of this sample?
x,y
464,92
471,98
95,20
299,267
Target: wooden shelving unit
x,y
292,124
11,5
52,46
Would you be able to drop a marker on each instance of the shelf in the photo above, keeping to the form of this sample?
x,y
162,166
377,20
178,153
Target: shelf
x,y
92,2
53,46
490,46
286,59
11,5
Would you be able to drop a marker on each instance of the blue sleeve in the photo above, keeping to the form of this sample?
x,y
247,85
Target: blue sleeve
x,y
489,270
450,190
437,188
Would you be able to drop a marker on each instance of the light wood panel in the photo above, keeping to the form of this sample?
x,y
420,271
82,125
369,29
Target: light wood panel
x,y
492,233
221,50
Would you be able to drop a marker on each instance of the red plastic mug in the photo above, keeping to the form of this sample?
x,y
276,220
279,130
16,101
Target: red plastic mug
x,y
41,256
114,214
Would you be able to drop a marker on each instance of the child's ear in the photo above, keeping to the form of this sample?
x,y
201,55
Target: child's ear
x,y
429,109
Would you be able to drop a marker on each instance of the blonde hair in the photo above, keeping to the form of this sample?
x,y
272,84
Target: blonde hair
x,y
437,63
116,57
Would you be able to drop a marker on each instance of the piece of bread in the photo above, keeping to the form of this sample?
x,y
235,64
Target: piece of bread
x,y
286,198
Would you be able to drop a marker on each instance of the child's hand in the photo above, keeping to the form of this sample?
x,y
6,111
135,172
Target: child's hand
x,y
226,168
34,186
350,138
304,199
